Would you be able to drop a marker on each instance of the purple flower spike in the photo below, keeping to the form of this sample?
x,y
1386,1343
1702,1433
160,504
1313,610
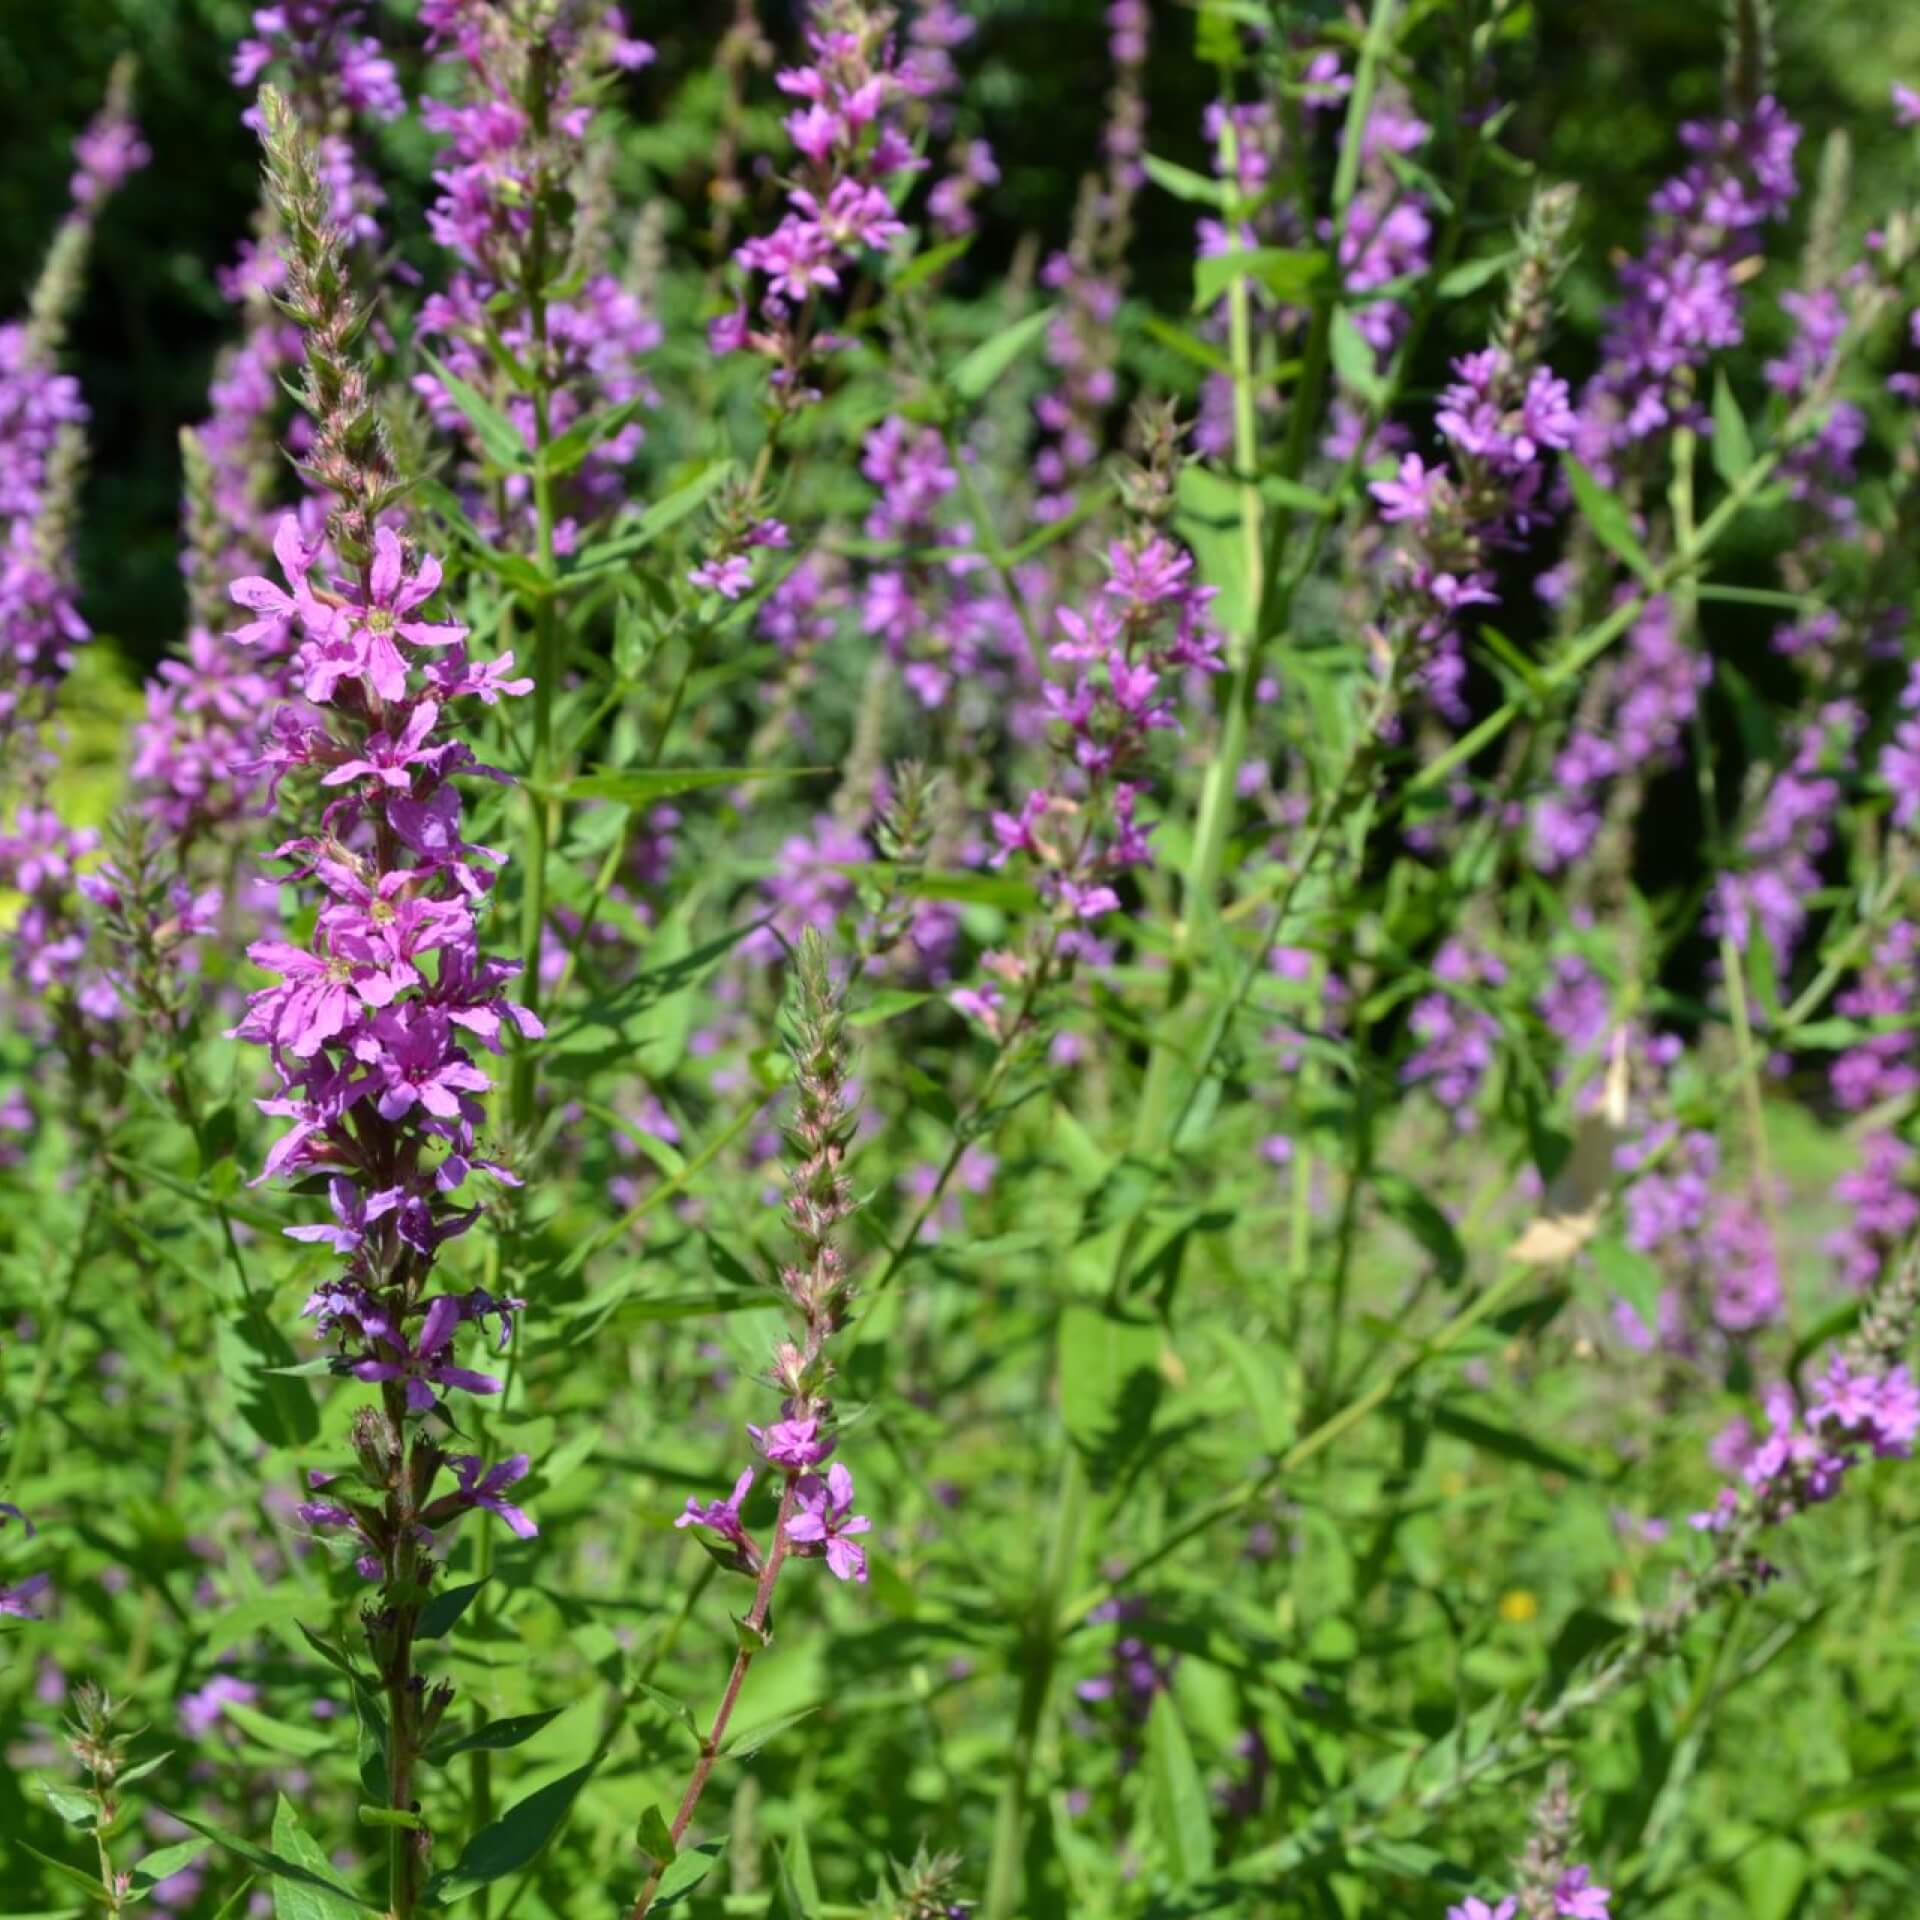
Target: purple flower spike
x,y
823,1521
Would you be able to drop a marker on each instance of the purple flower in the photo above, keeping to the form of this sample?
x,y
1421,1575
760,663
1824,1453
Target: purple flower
x,y
1575,1897
352,1216
482,1486
824,1519
1474,1908
362,637
201,1711
13,1599
793,1444
1410,495
426,1364
722,1516
729,577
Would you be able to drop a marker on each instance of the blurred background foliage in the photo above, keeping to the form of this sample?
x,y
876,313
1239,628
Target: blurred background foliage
x,y
1601,89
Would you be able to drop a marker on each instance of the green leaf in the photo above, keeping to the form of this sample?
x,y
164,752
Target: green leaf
x,y
1177,1796
165,1862
325,1648
1288,273
439,1616
641,786
928,262
1608,518
796,1893
1272,1391
651,1009
510,569
370,1753
1732,443
499,438
686,1873
76,1809
983,368
280,1411
69,1876
295,1899
1198,189
1354,360
1508,1443
662,517
750,1740
1000,890
301,1741
1405,1203
1103,1360
676,1709
1293,495
656,1837
276,1864
236,1901
493,1736
1631,1275
144,1768
887,1004
1189,346
641,1310
1471,275
564,454
514,1841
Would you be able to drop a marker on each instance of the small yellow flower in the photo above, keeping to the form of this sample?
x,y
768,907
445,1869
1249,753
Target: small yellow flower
x,y
1518,1606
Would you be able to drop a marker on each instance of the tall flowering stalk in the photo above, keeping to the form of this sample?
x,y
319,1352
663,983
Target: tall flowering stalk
x,y
540,339
816,1519
1504,413
851,147
1150,622
370,1023
42,431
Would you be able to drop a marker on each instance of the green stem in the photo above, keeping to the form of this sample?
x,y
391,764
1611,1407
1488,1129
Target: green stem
x,y
23,1460
1005,1868
543,810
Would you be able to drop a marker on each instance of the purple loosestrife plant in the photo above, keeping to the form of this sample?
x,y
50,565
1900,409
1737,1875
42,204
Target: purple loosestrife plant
x,y
1419,1056
815,1517
374,1022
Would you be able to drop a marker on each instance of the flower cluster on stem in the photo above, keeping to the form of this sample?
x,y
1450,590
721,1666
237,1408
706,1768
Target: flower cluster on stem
x,y
815,1518
372,1022
851,145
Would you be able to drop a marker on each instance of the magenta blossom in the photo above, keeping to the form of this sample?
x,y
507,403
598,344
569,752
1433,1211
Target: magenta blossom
x,y
824,1520
483,1486
793,1444
722,1516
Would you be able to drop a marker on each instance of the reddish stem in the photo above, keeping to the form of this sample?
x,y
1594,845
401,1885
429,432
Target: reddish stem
x,y
742,1660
